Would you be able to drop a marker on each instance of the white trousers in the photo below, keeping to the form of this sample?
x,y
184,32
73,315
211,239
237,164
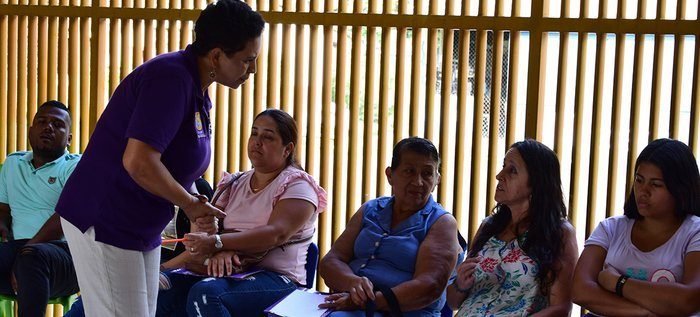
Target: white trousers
x,y
113,281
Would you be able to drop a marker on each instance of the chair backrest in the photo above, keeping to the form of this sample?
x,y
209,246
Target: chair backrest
x,y
311,264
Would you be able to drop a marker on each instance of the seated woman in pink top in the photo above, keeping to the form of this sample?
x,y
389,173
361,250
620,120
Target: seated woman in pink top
x,y
267,207
647,262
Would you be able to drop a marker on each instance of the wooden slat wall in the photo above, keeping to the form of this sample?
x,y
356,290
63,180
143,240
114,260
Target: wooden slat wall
x,y
360,75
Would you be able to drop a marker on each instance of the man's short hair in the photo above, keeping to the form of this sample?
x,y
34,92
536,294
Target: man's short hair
x,y
56,104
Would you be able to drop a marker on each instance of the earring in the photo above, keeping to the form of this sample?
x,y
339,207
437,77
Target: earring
x,y
212,74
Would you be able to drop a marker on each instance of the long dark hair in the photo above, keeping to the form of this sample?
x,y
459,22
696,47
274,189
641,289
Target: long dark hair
x,y
546,216
287,128
680,171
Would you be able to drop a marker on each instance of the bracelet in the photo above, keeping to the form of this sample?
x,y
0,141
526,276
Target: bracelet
x,y
461,290
620,283
391,300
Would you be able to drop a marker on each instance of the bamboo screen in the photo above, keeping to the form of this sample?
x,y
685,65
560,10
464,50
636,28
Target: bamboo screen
x,y
595,80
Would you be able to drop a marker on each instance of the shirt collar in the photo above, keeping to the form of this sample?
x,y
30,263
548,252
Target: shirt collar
x,y
425,210
29,156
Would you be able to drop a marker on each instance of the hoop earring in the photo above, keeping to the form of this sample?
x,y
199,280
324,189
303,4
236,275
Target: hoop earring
x,y
212,74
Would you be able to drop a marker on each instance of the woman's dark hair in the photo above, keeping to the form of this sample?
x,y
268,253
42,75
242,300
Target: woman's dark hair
x,y
680,171
226,24
543,241
415,145
287,129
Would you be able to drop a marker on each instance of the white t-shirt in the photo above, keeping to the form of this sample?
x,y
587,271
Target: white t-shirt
x,y
663,264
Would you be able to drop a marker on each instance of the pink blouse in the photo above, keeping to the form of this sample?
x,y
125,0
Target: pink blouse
x,y
246,210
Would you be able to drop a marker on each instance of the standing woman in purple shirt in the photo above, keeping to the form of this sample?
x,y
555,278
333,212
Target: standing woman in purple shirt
x,y
151,143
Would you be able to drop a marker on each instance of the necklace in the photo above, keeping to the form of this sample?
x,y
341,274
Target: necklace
x,y
258,189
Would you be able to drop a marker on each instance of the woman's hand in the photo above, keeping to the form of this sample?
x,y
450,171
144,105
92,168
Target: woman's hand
x,y
199,207
222,263
607,278
209,224
339,301
465,273
198,243
361,290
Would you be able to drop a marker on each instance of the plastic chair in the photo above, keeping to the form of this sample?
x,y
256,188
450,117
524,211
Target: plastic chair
x,y
7,303
311,264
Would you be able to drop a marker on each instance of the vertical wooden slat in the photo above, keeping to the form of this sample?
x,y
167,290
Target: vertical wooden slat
x,y
33,64
325,220
75,80
577,151
261,76
139,26
235,112
22,84
562,79
636,102
477,133
383,115
462,214
513,80
534,112
694,140
597,118
127,40
86,79
150,33
446,149
495,114
114,49
676,83
161,31
97,65
339,152
354,114
369,148
431,76
173,28
272,58
245,122
676,86
12,74
62,57
313,101
43,55
415,118
656,76
299,108
285,102
4,50
186,26
52,89
221,114
611,203
399,97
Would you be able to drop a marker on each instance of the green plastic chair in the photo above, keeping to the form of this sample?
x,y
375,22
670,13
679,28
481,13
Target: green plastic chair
x,y
7,308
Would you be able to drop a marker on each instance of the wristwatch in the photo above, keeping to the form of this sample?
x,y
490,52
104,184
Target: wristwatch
x,y
218,244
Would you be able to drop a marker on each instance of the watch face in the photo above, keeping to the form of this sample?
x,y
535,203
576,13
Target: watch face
x,y
218,243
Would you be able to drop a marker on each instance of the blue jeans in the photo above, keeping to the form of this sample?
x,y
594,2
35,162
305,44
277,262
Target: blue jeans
x,y
194,296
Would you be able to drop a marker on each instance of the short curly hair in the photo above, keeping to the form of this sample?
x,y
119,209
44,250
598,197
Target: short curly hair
x,y
228,25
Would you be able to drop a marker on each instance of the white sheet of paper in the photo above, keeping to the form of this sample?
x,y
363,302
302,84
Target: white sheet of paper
x,y
300,303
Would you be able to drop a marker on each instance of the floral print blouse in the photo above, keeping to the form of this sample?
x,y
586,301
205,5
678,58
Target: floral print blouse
x,y
505,282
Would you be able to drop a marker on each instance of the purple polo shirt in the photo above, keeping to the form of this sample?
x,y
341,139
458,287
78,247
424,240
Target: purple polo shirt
x,y
159,103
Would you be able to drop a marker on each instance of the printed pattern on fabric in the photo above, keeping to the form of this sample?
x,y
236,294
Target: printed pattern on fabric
x,y
505,282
